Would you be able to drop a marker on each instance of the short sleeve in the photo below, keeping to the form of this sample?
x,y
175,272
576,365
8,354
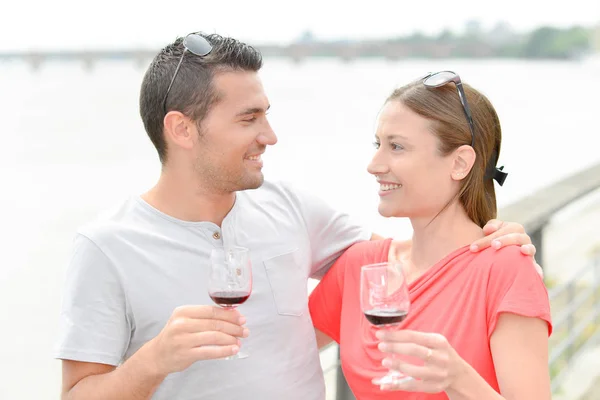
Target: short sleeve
x,y
94,324
325,301
330,231
515,287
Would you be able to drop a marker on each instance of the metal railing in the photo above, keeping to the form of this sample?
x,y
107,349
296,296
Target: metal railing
x,y
576,319
333,374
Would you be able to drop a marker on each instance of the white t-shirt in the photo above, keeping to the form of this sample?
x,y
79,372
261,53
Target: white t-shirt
x,y
132,268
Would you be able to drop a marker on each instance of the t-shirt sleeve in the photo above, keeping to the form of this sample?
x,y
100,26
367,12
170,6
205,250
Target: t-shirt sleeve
x,y
515,287
93,324
330,231
325,301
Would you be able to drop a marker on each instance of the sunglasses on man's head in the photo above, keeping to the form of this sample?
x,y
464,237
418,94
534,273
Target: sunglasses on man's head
x,y
195,44
437,79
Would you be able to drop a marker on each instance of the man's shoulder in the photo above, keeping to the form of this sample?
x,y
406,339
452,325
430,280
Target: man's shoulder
x,y
275,188
109,221
278,191
359,254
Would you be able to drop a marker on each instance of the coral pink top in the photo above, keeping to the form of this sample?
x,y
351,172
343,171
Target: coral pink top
x,y
460,297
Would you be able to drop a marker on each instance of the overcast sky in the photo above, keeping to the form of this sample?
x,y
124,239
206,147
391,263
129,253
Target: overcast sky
x,y
68,24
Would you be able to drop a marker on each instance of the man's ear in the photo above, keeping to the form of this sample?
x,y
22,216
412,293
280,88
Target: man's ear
x,y
177,130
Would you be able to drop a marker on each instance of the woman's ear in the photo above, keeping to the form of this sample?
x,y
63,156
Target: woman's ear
x,y
462,162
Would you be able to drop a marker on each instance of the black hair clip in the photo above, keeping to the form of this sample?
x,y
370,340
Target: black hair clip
x,y
499,176
493,172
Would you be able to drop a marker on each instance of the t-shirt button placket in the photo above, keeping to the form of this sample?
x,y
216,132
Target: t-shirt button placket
x,y
216,236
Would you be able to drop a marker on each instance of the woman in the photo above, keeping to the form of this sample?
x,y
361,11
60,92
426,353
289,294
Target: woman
x,y
479,322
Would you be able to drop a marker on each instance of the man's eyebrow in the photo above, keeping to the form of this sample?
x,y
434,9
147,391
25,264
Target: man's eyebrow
x,y
253,110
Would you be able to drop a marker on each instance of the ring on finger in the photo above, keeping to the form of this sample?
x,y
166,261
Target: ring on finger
x,y
428,356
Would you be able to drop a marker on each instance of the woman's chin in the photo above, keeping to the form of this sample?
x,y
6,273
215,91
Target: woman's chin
x,y
388,212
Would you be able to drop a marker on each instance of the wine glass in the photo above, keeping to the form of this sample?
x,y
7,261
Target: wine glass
x,y
385,302
230,279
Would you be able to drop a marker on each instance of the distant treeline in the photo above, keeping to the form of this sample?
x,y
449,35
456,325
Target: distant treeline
x,y
543,42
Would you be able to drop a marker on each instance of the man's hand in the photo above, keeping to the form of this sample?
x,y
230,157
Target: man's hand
x,y
500,234
196,333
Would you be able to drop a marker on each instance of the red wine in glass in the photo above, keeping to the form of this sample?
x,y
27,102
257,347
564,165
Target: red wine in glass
x,y
229,299
385,316
385,302
230,279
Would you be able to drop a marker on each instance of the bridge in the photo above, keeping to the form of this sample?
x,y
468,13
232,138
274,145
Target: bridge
x,y
296,52
141,57
391,49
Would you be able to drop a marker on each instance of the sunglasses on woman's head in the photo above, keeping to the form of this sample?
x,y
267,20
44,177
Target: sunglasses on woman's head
x,y
437,79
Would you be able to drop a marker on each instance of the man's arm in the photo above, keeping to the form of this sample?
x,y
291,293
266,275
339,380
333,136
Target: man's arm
x,y
498,234
330,231
375,236
501,234
322,339
134,380
193,333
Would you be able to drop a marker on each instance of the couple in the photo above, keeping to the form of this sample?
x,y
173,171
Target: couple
x,y
137,321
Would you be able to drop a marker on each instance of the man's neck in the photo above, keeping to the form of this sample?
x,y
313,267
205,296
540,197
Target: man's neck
x,y
180,199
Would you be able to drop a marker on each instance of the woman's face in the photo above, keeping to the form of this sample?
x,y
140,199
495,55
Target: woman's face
x,y
416,181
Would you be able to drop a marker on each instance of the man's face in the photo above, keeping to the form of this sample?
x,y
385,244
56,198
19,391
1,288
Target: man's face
x,y
234,134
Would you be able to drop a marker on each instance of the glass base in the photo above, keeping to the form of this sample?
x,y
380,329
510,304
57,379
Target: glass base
x,y
392,378
238,356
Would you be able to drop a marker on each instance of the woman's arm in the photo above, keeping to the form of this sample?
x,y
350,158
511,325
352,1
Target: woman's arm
x,y
519,349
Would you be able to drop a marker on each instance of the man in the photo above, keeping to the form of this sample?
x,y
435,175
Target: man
x,y
137,321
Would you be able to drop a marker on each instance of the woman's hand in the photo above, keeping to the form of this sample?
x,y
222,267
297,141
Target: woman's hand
x,y
442,366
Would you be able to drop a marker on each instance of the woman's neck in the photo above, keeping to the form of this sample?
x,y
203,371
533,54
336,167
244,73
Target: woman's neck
x,y
434,239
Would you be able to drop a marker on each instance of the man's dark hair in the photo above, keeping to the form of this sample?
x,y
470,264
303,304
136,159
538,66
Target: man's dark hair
x,y
192,92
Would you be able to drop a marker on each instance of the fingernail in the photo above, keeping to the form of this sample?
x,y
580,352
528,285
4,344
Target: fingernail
x,y
382,346
246,332
386,362
496,244
474,247
235,349
242,320
380,335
